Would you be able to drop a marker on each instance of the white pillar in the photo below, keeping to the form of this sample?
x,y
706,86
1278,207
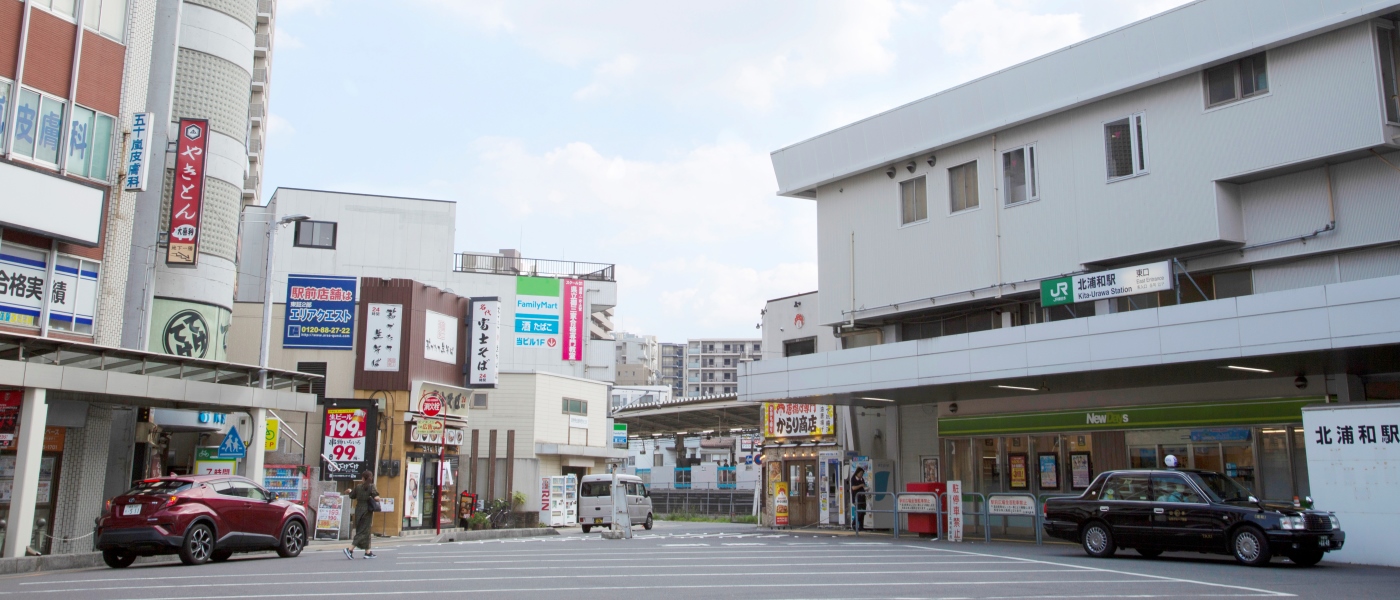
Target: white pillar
x,y
257,425
33,414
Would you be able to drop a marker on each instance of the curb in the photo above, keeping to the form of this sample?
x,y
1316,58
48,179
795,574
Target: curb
x,y
60,562
494,534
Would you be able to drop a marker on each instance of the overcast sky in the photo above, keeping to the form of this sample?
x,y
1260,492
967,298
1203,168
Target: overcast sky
x,y
634,133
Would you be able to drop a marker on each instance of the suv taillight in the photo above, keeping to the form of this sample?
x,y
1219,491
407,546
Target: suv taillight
x,y
169,502
107,508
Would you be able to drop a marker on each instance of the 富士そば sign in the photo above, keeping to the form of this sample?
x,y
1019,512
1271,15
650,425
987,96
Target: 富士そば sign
x,y
797,420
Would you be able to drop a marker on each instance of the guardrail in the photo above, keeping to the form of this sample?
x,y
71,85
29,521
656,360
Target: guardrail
x,y
982,516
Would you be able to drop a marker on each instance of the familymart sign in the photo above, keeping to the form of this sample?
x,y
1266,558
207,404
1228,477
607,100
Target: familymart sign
x,y
1156,277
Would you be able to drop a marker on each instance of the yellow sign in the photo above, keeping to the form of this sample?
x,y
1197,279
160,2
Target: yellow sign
x,y
780,505
798,420
270,435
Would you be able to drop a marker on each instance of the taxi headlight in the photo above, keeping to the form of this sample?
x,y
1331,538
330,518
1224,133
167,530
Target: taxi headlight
x,y
1336,523
1291,523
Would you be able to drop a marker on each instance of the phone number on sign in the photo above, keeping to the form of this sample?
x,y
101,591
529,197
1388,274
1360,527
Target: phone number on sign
x,y
326,330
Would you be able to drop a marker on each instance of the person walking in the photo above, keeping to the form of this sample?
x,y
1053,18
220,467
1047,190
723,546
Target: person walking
x,y
366,499
857,499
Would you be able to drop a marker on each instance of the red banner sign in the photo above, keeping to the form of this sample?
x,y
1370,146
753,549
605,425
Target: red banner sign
x,y
187,193
573,319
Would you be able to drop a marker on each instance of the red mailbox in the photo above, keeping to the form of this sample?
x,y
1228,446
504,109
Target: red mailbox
x,y
924,523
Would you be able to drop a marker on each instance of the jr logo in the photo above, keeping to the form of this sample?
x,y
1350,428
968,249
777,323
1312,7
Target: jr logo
x,y
1061,291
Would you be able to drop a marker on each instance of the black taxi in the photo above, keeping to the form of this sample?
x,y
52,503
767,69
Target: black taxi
x,y
1152,511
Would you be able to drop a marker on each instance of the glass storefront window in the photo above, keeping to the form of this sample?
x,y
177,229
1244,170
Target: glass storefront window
x,y
1206,457
1300,462
1239,465
989,463
1274,467
1142,457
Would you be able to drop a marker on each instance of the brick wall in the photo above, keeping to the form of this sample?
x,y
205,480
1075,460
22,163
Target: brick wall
x,y
48,59
100,73
11,20
81,479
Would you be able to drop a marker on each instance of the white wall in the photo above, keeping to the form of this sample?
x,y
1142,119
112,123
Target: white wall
x,y
780,324
1359,481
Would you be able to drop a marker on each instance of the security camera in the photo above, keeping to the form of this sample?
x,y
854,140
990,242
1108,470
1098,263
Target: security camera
x,y
1300,382
890,172
911,166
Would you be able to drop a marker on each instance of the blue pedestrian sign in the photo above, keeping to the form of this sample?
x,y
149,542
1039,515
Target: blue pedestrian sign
x,y
232,446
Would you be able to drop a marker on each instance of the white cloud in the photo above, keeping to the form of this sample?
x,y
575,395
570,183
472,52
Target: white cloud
x,y
728,296
994,34
607,76
294,6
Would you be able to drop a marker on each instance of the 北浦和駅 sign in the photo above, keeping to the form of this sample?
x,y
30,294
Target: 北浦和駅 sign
x,y
1142,279
320,312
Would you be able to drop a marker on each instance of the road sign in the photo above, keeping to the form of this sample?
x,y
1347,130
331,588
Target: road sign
x,y
232,446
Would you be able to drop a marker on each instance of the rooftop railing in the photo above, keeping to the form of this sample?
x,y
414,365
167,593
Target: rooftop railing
x,y
534,267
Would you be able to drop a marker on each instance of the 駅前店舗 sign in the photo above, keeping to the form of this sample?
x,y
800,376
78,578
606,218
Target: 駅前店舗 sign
x,y
1142,279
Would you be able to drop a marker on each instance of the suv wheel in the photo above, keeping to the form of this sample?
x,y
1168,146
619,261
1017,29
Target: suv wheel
x,y
118,559
1250,547
1098,540
199,545
293,539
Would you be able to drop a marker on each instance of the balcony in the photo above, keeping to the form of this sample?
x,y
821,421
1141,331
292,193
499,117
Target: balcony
x,y
254,150
267,11
259,79
533,267
256,112
250,187
262,44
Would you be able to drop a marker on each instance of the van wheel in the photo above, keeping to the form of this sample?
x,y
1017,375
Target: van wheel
x,y
648,524
587,528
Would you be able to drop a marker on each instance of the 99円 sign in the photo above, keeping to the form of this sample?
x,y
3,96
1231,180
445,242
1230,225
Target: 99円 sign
x,y
344,446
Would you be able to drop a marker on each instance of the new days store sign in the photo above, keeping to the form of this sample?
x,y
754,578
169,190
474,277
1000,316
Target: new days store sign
x,y
1142,279
1242,412
320,312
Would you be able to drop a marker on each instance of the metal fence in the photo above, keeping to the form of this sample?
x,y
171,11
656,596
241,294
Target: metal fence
x,y
702,502
979,518
535,267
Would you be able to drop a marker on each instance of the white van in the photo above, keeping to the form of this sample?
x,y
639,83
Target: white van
x,y
595,501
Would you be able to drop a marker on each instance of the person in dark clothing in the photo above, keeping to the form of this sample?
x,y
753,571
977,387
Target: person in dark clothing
x,y
858,487
366,499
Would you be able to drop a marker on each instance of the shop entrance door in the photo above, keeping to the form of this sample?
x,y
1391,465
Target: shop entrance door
x,y
802,492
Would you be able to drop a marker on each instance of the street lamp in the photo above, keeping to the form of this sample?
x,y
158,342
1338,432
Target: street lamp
x,y
267,295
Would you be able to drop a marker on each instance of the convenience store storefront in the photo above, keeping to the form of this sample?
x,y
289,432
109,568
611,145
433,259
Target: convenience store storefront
x,y
1258,443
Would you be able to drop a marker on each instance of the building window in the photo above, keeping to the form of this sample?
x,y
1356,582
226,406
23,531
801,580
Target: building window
x,y
315,234
727,362
4,110
575,407
962,187
481,401
89,144
1020,181
913,200
755,347
728,376
38,126
1124,146
727,348
1390,90
107,17
1237,80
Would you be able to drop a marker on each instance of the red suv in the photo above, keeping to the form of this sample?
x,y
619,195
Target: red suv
x,y
202,518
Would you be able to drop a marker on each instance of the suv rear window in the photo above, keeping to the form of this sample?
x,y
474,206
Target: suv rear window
x,y
595,489
160,487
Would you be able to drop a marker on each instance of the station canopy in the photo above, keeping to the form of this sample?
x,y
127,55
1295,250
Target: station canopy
x,y
719,414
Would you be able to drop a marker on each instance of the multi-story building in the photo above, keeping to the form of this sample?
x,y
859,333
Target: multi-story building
x,y
672,364
790,327
209,60
712,365
638,359
1151,242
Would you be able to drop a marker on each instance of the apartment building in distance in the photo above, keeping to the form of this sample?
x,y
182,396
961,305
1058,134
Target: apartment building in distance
x,y
638,359
712,365
672,364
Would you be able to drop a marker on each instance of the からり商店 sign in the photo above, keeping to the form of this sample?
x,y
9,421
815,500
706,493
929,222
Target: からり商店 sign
x,y
798,420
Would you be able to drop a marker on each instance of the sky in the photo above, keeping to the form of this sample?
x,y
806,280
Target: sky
x,y
635,133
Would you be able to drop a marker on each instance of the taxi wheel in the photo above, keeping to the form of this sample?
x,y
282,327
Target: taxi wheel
x,y
118,559
1098,540
198,546
1250,546
648,524
587,528
1306,558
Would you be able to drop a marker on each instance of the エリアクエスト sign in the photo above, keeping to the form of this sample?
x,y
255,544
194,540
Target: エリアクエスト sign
x,y
187,192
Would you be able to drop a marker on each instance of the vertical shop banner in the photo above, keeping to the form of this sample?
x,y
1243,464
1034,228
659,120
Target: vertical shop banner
x,y
187,192
1049,471
439,337
10,401
798,420
574,323
272,434
345,443
137,153
955,511
320,312
780,504
412,489
1081,470
383,331
483,342
537,307
1020,470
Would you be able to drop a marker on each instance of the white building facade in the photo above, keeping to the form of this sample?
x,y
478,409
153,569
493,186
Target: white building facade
x,y
1246,180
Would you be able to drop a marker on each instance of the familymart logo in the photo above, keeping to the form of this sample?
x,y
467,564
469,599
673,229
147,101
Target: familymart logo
x,y
1105,418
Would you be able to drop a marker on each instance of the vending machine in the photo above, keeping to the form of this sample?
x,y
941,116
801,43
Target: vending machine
x,y
559,501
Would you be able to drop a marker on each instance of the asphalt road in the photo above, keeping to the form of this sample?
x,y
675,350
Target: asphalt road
x,y
683,560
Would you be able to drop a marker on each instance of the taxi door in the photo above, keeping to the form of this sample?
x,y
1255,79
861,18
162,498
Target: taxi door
x,y
1126,505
